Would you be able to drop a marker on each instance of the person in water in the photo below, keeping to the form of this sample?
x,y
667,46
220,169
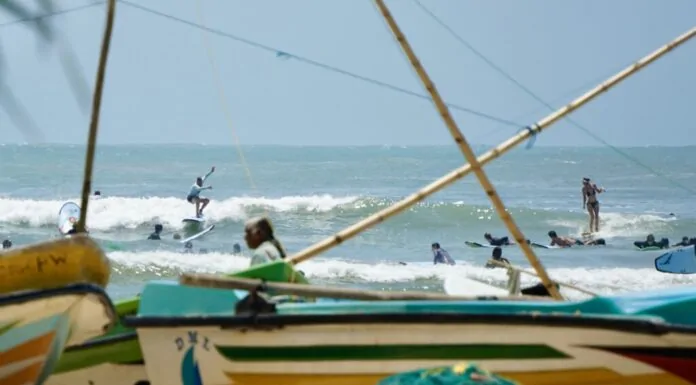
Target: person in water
x,y
493,241
156,235
236,248
6,244
651,242
590,202
502,241
686,241
259,237
569,241
441,255
194,195
497,259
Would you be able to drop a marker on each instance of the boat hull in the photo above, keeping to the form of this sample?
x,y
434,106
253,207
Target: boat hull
x,y
363,353
217,336
35,327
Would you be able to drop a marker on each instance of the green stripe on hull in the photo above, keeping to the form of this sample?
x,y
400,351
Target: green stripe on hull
x,y
389,352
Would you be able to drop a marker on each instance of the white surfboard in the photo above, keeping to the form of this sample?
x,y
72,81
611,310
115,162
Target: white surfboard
x,y
679,261
539,245
196,236
193,220
68,215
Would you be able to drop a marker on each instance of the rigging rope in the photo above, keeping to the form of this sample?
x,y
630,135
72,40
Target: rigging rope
x,y
540,100
222,98
281,54
288,55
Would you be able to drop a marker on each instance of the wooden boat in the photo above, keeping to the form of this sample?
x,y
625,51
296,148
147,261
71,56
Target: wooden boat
x,y
51,297
223,336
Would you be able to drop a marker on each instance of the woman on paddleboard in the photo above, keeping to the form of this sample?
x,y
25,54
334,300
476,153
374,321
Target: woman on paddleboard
x,y
589,201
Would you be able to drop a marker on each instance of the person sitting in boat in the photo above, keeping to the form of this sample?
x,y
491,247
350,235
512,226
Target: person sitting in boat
x,y
497,259
651,242
569,241
259,237
441,255
6,244
156,235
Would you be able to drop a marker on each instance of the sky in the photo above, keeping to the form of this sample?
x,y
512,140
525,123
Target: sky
x,y
161,86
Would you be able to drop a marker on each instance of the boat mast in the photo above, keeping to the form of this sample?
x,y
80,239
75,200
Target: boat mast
x,y
96,109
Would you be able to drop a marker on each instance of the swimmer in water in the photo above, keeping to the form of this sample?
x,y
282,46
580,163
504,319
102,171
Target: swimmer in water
x,y
684,242
651,242
156,235
497,259
441,255
589,201
502,241
569,241
6,244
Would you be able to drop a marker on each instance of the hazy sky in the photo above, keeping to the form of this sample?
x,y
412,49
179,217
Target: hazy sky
x,y
160,86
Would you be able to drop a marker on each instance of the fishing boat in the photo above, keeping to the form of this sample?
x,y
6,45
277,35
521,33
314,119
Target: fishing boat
x,y
235,331
52,297
219,335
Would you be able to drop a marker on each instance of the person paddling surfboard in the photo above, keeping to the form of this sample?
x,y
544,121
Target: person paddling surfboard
x,y
194,195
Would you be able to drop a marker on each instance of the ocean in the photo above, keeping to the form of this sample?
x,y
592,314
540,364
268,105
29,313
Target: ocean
x,y
312,192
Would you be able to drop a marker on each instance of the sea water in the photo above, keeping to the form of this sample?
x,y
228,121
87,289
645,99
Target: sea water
x,y
312,192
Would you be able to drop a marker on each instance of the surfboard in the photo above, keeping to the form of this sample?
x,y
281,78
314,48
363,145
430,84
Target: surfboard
x,y
649,248
679,261
68,215
539,245
477,245
193,220
195,236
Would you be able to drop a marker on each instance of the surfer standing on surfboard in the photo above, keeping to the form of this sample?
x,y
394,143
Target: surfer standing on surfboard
x,y
589,200
195,192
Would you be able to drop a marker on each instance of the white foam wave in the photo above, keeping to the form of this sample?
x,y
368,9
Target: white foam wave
x,y
116,212
600,280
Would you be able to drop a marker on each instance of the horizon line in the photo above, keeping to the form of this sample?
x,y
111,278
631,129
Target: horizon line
x,y
58,144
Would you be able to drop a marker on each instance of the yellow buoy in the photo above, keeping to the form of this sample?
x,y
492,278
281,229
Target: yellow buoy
x,y
54,264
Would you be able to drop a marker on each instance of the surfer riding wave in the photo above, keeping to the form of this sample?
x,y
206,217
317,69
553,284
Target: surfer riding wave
x,y
195,192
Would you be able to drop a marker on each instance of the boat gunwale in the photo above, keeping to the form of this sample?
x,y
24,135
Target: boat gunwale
x,y
19,297
588,321
103,340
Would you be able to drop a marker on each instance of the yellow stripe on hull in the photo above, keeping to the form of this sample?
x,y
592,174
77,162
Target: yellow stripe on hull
x,y
557,377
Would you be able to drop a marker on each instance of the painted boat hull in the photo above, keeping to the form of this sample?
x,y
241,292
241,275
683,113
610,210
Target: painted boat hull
x,y
112,358
614,341
35,327
116,358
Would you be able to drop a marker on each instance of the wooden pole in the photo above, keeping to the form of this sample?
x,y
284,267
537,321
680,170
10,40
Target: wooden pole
x,y
490,155
562,284
461,141
96,108
313,291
